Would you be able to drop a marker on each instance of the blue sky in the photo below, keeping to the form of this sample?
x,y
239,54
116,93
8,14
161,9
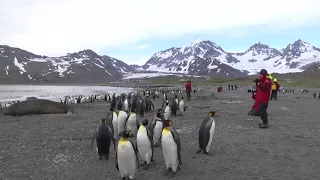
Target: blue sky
x,y
133,30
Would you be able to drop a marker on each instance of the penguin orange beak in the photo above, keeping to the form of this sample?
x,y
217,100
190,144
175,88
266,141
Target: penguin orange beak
x,y
170,123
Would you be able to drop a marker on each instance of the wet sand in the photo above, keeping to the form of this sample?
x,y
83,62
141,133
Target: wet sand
x,y
57,146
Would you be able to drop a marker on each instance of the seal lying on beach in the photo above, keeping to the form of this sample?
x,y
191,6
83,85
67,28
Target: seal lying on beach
x,y
36,106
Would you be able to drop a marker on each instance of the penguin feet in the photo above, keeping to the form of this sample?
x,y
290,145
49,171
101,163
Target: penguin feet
x,y
171,174
207,153
144,163
167,172
145,167
199,151
100,157
157,145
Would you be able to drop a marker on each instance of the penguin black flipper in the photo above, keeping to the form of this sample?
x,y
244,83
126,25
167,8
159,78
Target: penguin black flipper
x,y
94,138
113,140
150,136
135,147
177,141
116,161
137,123
204,133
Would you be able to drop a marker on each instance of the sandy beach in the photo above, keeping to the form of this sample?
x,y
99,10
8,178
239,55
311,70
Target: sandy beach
x,y
57,146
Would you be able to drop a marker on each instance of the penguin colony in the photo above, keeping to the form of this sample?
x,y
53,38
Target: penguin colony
x,y
135,141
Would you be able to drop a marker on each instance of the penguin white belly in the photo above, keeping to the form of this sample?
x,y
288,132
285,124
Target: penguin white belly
x,y
167,112
126,105
157,132
144,146
181,106
115,124
132,124
122,117
212,131
170,151
126,158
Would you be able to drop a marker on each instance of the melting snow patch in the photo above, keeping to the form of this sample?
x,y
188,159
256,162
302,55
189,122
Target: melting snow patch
x,y
100,61
78,61
108,73
98,65
38,60
149,75
19,65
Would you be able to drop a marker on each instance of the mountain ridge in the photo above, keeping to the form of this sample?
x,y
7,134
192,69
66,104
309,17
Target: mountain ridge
x,y
196,58
292,58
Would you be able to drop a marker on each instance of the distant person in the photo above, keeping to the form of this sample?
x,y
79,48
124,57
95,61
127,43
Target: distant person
x,y
188,89
229,86
235,87
263,86
274,89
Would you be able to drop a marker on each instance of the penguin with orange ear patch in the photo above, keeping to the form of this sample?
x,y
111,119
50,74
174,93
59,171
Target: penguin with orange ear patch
x,y
206,132
171,147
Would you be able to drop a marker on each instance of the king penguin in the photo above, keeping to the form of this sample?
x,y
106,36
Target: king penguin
x,y
182,105
126,157
156,126
132,123
167,111
122,119
145,144
110,119
126,105
171,147
206,132
115,123
103,138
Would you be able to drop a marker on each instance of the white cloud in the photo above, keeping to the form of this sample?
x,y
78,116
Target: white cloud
x,y
143,46
59,26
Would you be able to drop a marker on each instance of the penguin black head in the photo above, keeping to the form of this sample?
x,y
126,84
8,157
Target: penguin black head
x,y
111,109
103,121
125,134
167,102
167,123
181,97
133,110
145,122
212,113
160,110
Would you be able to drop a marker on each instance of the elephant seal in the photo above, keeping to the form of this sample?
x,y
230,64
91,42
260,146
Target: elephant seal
x,y
36,106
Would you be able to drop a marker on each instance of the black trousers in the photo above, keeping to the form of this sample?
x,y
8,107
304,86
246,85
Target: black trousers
x,y
188,95
274,94
263,112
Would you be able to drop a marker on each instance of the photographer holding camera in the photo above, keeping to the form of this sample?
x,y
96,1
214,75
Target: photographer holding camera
x,y
262,95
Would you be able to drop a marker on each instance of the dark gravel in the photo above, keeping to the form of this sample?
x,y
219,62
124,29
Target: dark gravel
x,y
58,146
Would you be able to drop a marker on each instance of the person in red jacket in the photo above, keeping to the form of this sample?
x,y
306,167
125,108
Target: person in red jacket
x,y
188,89
263,86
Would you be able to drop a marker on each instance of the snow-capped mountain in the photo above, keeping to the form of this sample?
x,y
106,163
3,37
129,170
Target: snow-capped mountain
x,y
207,58
20,66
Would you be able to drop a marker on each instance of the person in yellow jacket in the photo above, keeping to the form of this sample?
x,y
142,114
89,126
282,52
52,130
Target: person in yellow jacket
x,y
274,89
